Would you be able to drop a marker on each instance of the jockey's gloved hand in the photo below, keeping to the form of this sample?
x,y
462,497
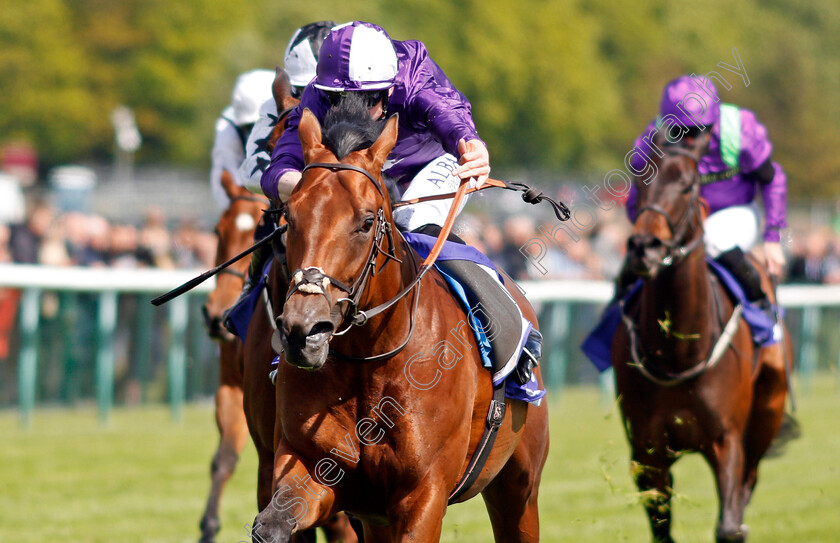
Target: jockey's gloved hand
x,y
474,161
774,257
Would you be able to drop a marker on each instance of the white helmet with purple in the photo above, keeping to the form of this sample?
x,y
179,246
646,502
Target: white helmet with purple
x,y
356,56
301,55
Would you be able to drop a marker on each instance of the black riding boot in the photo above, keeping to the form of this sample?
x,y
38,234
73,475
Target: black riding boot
x,y
255,268
498,313
737,263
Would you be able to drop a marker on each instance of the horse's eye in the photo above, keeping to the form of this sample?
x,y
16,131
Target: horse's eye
x,y
368,224
687,183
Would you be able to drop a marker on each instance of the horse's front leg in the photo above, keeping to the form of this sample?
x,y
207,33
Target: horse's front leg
x,y
233,430
297,503
338,529
234,435
418,516
652,474
727,461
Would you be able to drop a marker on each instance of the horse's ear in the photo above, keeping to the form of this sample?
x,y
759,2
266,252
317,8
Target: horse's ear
x,y
383,146
228,183
309,131
281,89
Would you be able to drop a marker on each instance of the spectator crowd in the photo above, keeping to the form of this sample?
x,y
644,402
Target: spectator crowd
x,y
512,235
50,237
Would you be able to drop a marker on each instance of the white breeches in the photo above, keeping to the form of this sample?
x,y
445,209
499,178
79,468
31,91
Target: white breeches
x,y
731,227
435,178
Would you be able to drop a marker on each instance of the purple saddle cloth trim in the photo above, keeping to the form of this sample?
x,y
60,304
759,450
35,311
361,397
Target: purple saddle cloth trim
x,y
423,243
598,344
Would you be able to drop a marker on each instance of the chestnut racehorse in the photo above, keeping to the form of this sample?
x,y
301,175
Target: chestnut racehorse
x,y
683,383
382,419
235,230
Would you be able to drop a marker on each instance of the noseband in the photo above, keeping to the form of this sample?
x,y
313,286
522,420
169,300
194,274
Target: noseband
x,y
677,246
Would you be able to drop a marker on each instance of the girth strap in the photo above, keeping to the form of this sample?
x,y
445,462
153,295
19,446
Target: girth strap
x,y
495,417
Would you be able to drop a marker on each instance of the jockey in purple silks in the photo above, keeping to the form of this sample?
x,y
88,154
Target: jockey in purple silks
x,y
737,166
437,143
399,77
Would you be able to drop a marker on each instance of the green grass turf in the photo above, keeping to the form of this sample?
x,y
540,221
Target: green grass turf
x,y
144,478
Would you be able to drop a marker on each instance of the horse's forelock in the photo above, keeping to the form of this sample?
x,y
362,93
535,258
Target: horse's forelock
x,y
348,127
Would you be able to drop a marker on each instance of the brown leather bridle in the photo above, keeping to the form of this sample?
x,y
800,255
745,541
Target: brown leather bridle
x,y
316,277
678,247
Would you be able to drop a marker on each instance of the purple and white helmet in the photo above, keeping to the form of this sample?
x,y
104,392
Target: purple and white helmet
x,y
356,56
301,56
694,101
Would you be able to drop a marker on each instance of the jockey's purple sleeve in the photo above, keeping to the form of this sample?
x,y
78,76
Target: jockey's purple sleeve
x,y
433,116
288,154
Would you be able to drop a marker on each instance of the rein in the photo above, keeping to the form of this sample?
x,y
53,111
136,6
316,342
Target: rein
x,y
251,198
314,281
530,195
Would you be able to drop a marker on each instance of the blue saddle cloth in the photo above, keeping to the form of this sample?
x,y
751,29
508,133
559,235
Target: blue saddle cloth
x,y
423,243
240,315
598,344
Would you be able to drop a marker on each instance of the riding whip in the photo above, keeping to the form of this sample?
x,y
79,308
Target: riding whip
x,y
192,283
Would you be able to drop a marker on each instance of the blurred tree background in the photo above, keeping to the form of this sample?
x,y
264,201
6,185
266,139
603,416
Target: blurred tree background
x,y
562,86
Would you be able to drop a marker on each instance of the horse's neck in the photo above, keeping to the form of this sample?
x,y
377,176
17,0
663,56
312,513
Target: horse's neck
x,y
676,309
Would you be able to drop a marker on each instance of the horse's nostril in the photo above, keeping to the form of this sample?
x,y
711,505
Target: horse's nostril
x,y
635,244
638,244
323,327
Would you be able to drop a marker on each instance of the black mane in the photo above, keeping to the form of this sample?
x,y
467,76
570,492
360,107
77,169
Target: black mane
x,y
348,126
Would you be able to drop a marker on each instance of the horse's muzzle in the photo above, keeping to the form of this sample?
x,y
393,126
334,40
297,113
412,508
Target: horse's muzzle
x,y
645,254
215,328
305,345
